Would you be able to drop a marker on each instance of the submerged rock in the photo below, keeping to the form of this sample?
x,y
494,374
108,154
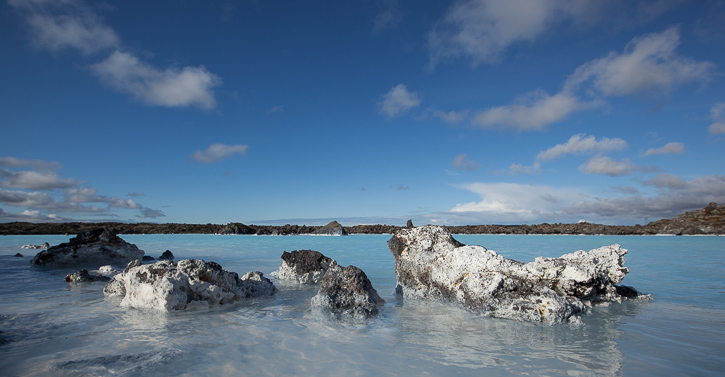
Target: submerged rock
x,y
346,293
18,255
166,285
332,229
84,276
303,266
429,263
100,246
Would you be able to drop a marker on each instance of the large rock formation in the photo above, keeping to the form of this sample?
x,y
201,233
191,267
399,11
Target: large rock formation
x,y
167,286
303,266
429,263
332,229
99,246
346,293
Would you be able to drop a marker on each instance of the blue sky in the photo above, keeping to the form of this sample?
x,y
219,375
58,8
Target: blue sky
x,y
361,111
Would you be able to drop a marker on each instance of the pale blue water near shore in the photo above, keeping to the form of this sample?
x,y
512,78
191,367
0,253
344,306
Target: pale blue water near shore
x,y
50,327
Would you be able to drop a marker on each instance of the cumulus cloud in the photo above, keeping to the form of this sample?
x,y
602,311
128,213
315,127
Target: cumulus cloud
x,y
513,202
718,116
218,152
483,30
397,101
462,162
532,112
648,65
669,148
173,87
582,144
41,191
607,165
58,25
675,196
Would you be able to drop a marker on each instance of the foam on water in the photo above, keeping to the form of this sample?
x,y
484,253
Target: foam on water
x,y
52,327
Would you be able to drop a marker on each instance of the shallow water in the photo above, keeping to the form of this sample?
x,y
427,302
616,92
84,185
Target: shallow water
x,y
52,327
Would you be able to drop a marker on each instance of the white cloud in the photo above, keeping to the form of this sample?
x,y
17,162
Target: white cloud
x,y
218,152
84,33
718,116
12,162
483,30
511,202
582,144
669,148
397,101
462,162
648,65
526,170
389,16
450,117
34,180
533,112
607,165
172,87
675,197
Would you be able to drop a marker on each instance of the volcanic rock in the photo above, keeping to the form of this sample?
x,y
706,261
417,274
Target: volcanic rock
x,y
303,266
332,229
167,255
100,246
166,285
429,263
83,276
346,293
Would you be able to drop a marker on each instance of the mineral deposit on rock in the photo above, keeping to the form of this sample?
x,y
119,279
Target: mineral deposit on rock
x,y
100,246
166,285
346,293
429,263
303,266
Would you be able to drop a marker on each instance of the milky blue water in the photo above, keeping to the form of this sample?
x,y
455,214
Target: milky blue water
x,y
50,327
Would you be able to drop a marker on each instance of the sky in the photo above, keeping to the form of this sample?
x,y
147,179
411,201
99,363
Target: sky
x,y
361,111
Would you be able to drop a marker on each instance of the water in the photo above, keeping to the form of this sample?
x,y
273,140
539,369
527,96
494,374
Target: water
x,y
50,327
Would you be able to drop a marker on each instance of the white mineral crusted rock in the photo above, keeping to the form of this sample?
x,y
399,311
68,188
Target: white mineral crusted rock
x,y
303,266
166,285
429,263
99,246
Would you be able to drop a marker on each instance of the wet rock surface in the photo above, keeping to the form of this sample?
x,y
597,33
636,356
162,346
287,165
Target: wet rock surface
x,y
332,229
166,285
99,246
346,293
430,263
303,266
83,276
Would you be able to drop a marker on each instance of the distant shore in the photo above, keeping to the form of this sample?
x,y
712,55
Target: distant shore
x,y
707,221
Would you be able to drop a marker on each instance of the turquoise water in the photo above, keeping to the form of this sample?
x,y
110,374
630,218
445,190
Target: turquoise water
x,y
52,328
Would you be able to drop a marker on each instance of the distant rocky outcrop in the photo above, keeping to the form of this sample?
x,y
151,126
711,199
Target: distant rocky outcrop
x,y
347,294
332,229
303,266
430,263
43,246
167,286
708,220
99,246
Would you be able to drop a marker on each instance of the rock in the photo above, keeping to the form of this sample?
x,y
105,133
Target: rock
x,y
83,276
100,246
43,246
346,293
332,229
19,255
107,270
429,263
147,258
304,266
166,285
167,255
409,224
